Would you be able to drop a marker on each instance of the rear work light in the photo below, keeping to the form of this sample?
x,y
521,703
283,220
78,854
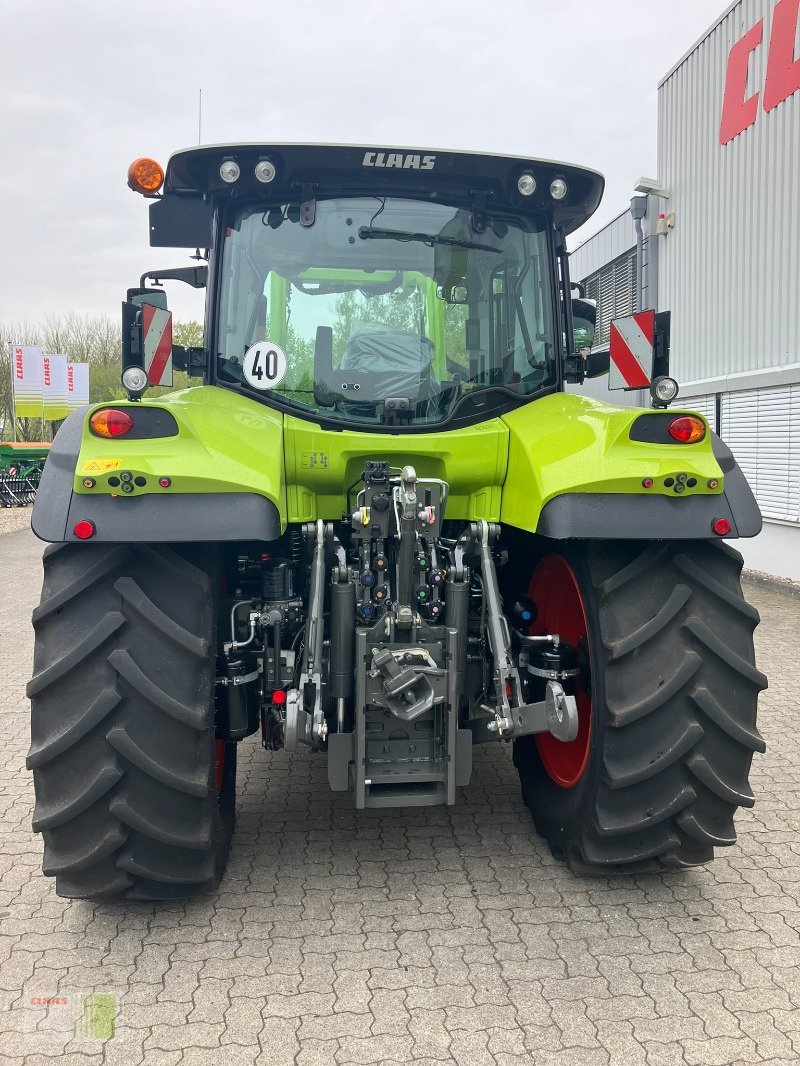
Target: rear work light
x,y
110,422
687,429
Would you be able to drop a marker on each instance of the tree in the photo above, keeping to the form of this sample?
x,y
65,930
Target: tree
x,y
189,334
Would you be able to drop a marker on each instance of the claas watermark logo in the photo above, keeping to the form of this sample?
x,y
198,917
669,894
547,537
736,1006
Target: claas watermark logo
x,y
97,1016
90,1016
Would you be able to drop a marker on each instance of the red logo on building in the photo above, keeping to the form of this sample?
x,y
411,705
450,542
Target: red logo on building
x,y
739,111
19,365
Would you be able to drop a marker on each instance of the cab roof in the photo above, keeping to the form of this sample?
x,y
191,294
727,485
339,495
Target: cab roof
x,y
323,170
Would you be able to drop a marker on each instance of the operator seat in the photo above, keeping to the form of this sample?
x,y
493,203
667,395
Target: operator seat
x,y
388,362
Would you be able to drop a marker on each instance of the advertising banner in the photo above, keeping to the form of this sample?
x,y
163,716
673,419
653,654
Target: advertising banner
x,y
77,385
27,380
54,387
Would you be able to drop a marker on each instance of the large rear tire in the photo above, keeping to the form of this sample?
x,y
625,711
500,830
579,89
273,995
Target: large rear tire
x,y
667,705
133,795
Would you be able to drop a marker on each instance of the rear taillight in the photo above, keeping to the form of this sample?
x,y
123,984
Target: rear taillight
x,y
687,429
110,422
721,527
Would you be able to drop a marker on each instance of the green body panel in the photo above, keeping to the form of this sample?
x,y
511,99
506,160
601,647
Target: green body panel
x,y
225,443
570,443
505,469
322,464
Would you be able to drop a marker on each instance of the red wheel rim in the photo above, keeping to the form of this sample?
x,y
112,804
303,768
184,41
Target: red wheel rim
x,y
554,590
219,763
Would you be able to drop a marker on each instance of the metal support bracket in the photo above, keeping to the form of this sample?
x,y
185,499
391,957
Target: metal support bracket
x,y
479,213
557,714
242,680
298,722
308,205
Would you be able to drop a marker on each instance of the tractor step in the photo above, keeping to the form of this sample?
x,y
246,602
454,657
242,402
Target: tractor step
x,y
411,795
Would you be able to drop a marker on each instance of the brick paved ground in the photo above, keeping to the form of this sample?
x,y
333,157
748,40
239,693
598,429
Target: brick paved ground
x,y
446,935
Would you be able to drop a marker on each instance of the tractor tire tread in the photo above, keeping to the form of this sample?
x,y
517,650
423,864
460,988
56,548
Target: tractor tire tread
x,y
94,639
75,731
122,746
74,801
671,757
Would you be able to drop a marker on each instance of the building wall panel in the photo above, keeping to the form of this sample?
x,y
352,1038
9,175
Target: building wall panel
x,y
612,241
762,429
730,269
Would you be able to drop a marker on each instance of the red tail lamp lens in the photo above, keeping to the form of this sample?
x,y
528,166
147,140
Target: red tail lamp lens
x,y
84,529
110,422
279,696
721,527
688,429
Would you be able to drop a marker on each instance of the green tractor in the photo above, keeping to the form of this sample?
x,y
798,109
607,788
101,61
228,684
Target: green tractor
x,y
381,529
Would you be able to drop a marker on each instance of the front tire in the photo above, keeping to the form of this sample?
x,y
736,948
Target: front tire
x,y
670,686
133,795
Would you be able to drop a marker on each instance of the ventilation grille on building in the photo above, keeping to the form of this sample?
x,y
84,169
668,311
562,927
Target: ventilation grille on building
x,y
614,288
762,429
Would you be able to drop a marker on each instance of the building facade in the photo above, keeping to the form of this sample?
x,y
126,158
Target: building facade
x,y
725,255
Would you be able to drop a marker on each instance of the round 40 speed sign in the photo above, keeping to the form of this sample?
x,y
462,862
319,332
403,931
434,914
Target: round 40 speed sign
x,y
264,365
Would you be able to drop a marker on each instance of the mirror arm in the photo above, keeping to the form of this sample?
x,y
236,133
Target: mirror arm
x,y
597,362
190,360
196,276
180,357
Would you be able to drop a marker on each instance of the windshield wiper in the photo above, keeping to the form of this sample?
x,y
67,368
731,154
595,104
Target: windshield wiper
x,y
374,233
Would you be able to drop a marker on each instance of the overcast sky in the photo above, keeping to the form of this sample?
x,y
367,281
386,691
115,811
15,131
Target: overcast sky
x,y
88,85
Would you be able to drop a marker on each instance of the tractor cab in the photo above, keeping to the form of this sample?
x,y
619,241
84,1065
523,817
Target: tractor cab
x,y
368,287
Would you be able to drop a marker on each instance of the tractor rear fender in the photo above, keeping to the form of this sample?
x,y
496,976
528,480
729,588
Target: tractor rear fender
x,y
580,468
147,516
621,517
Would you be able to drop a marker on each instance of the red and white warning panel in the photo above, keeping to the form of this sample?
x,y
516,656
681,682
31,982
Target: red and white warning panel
x,y
157,344
632,351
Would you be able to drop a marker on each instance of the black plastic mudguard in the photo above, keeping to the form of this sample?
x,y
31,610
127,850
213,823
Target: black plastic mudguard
x,y
150,518
617,516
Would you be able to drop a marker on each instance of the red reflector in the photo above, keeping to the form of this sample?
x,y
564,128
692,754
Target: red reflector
x,y
110,422
84,529
688,429
721,527
164,482
647,483
279,696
